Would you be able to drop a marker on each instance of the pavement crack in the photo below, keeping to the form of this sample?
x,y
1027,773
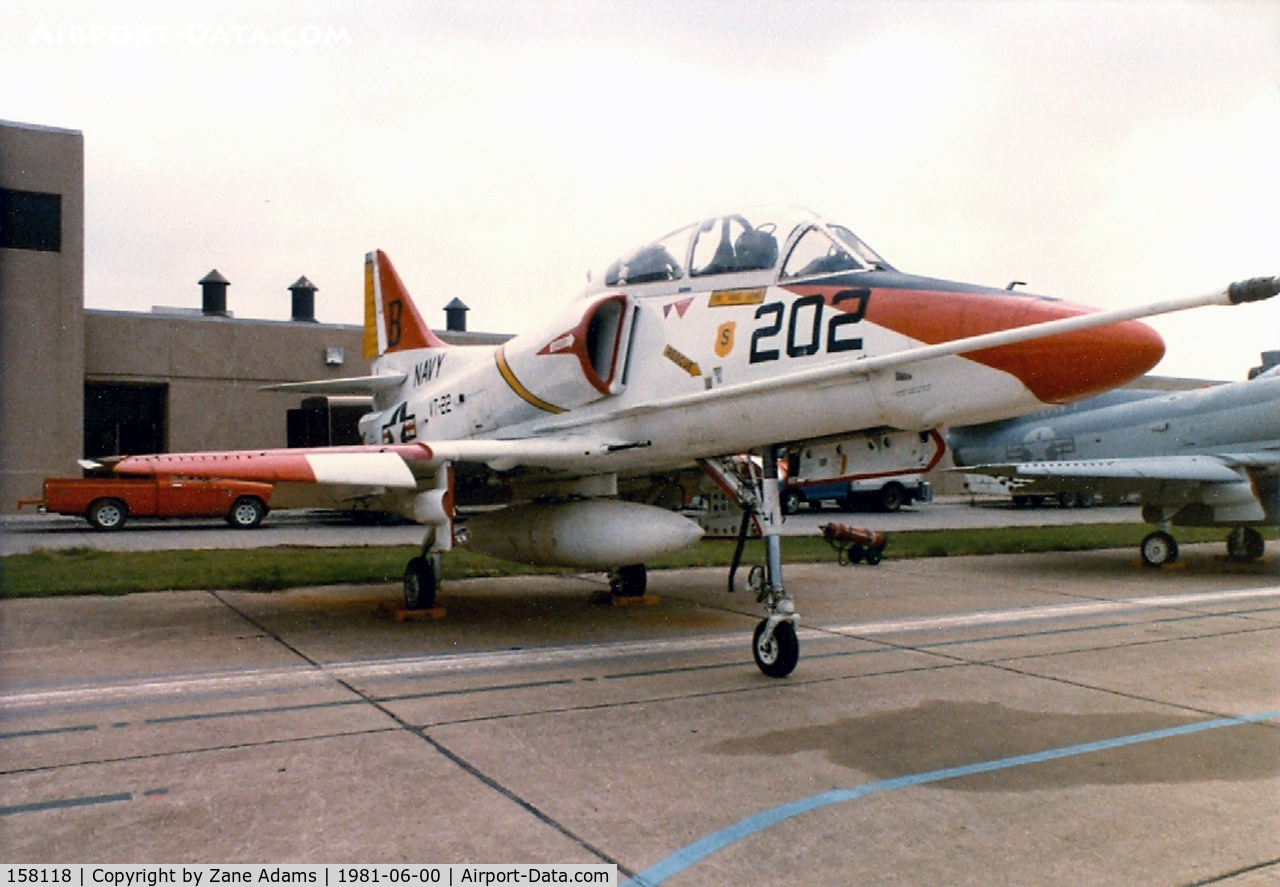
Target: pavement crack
x,y
1227,876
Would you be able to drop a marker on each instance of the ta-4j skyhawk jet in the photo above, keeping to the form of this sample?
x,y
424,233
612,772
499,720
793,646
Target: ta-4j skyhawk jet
x,y
733,335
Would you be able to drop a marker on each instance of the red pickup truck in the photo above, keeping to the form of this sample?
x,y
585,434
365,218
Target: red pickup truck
x,y
107,502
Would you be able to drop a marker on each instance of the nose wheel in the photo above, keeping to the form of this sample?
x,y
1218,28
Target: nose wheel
x,y
776,647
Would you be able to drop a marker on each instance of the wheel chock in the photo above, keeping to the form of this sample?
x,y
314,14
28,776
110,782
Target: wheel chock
x,y
609,599
404,614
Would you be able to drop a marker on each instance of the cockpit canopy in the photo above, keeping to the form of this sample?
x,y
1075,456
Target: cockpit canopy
x,y
770,243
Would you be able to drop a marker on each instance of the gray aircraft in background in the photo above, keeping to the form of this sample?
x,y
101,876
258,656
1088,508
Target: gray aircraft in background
x,y
1201,458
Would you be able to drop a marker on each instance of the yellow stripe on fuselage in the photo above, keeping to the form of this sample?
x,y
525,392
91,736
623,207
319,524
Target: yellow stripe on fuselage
x,y
524,393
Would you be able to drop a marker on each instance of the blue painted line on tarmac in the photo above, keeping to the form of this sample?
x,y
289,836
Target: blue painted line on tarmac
x,y
64,803
697,851
51,731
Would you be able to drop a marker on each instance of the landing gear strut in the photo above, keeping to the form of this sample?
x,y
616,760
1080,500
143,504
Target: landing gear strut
x,y
775,645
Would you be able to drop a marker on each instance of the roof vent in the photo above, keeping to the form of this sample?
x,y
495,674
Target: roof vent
x,y
213,294
455,316
304,299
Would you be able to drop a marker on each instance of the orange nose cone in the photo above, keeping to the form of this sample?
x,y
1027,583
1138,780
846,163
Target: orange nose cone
x,y
1068,367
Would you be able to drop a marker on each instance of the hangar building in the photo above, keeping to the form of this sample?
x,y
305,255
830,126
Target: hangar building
x,y
77,383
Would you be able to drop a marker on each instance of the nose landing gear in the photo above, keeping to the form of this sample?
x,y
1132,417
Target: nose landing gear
x,y
775,644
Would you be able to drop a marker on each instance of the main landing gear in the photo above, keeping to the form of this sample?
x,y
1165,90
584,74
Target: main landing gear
x,y
629,581
775,643
435,509
1158,548
1243,544
421,579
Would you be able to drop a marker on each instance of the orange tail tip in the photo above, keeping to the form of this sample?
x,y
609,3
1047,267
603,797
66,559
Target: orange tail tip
x,y
391,321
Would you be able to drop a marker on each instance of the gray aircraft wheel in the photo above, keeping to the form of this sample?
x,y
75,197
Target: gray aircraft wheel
x,y
107,514
779,656
1246,544
1158,549
420,584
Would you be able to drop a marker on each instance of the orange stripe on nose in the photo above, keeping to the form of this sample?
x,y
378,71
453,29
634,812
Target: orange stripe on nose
x,y
1057,369
1060,369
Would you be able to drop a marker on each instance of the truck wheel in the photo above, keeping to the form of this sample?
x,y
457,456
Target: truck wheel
x,y
791,502
891,497
246,513
107,514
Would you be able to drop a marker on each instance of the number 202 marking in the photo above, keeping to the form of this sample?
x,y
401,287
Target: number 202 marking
x,y
804,333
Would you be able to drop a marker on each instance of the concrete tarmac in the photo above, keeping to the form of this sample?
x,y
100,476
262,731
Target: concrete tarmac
x,y
1038,719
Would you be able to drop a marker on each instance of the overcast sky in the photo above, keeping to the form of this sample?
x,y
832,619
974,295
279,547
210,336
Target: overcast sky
x,y
1111,154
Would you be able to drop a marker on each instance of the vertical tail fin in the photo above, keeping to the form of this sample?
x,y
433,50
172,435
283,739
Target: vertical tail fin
x,y
391,322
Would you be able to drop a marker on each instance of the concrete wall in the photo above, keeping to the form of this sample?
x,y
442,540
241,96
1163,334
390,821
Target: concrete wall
x,y
215,368
42,318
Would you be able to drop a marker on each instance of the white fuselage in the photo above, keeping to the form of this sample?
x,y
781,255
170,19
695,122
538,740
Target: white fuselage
x,y
689,382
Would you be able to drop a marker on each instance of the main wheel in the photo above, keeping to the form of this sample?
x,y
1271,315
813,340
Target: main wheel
x,y
1158,549
246,513
420,584
779,656
107,514
1246,544
629,581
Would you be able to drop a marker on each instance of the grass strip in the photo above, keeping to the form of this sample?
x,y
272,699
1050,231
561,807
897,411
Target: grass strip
x,y
90,571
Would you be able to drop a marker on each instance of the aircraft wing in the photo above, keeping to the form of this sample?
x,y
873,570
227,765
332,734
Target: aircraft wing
x,y
1223,487
395,466
1192,469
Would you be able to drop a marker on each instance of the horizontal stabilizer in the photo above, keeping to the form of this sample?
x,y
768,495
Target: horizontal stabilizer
x,y
351,385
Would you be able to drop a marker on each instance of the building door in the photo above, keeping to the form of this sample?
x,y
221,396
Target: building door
x,y
124,420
